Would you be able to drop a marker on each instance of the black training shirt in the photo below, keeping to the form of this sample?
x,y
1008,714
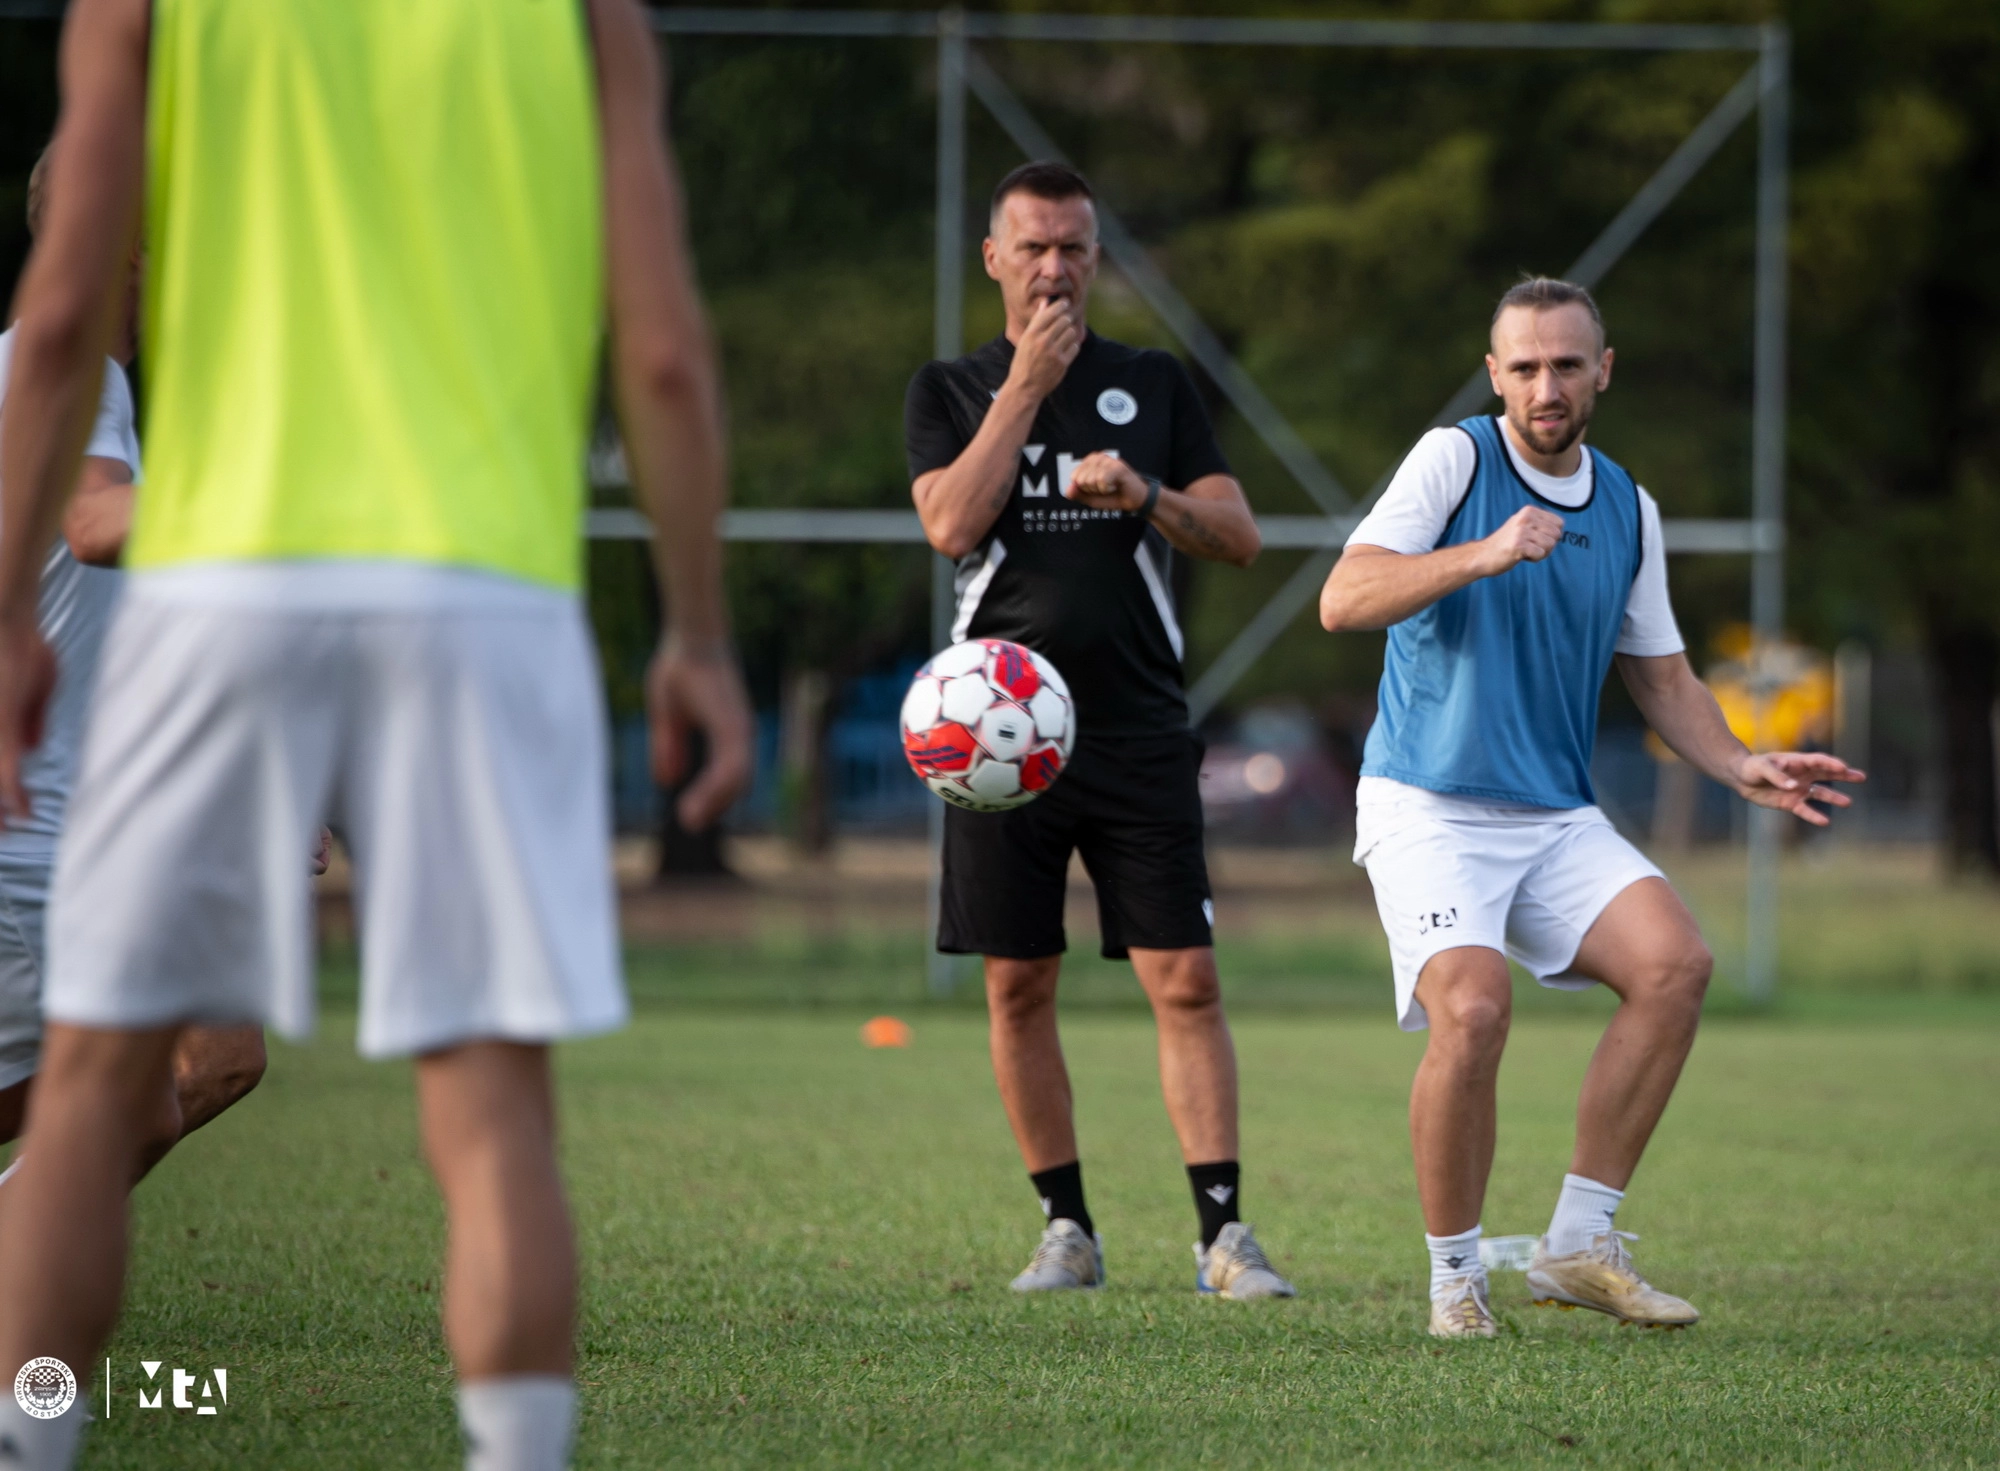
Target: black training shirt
x,y
1089,588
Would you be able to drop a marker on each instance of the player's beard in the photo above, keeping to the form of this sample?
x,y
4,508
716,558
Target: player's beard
x,y
1554,444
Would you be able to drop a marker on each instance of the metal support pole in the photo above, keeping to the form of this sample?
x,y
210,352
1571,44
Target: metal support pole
x,y
1767,478
948,315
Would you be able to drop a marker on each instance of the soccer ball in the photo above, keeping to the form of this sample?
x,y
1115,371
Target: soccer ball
x,y
988,725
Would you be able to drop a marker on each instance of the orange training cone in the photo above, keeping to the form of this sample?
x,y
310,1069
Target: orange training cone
x,y
885,1031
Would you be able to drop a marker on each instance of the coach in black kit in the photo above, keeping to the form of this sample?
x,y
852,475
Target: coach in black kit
x,y
1062,472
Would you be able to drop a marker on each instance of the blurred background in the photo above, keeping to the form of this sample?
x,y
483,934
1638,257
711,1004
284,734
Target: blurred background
x,y
1343,220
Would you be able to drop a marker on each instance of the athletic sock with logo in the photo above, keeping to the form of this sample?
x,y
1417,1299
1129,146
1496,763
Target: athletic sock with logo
x,y
1215,1197
1061,1190
28,1444
1453,1257
1584,1211
517,1422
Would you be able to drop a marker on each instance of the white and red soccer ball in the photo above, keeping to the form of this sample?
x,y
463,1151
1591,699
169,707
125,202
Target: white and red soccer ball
x,y
988,725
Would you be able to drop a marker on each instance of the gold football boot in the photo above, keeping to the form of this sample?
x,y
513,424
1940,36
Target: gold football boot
x,y
1461,1310
1603,1280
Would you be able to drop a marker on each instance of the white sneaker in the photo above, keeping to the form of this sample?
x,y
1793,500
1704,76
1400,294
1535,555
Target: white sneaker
x,y
1235,1267
1064,1258
1462,1311
1604,1280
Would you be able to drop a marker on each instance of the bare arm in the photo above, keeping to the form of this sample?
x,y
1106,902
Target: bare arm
x,y
1209,519
69,300
99,515
959,504
1684,713
1373,587
668,398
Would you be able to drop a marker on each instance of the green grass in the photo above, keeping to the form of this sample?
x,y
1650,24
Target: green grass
x,y
797,1252
1860,928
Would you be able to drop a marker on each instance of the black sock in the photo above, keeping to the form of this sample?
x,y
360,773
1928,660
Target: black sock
x,y
1215,1196
1061,1190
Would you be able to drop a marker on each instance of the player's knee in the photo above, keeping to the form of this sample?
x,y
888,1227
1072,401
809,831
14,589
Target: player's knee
x,y
1019,989
1473,1018
1681,978
1187,986
213,1070
241,1072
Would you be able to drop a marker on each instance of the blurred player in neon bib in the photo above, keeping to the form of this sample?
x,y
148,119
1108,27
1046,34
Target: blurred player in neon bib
x,y
1513,565
374,304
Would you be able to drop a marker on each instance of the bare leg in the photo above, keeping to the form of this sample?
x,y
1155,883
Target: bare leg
x,y
488,1114
1197,1056
214,1067
99,1103
1028,1059
1646,947
1468,994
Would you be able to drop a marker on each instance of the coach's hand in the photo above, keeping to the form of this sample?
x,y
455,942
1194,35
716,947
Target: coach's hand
x,y
1046,349
1791,781
27,678
1108,482
1529,535
699,688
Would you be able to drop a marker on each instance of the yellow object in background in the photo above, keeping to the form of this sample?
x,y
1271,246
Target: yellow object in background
x,y
1776,696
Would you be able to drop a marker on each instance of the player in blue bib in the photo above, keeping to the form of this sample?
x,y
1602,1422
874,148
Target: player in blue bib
x,y
1513,565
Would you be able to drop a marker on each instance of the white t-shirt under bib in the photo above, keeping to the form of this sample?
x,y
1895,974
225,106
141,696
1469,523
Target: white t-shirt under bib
x,y
76,607
1430,483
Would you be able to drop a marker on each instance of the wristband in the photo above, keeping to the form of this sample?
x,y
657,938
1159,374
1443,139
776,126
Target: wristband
x,y
1152,498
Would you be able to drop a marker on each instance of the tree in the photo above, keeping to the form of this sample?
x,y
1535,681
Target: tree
x,y
1897,427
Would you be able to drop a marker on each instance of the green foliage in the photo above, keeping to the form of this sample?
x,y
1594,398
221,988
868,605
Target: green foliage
x,y
796,1254
27,117
1345,218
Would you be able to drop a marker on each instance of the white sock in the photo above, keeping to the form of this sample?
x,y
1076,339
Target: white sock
x,y
1584,1212
28,1444
8,1173
517,1422
1453,1257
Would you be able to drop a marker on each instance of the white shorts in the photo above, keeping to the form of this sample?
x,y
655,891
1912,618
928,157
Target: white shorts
x,y
456,743
1528,882
24,892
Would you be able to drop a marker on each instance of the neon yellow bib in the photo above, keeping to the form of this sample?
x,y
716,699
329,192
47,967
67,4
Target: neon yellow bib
x,y
375,283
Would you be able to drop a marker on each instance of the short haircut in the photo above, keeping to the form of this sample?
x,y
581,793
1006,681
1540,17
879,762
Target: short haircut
x,y
1544,293
1045,179
38,188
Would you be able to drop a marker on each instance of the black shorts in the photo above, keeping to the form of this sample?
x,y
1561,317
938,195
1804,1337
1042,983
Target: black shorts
x,y
1131,805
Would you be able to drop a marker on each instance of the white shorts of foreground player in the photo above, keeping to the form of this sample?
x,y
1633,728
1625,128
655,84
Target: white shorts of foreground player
x,y
1526,881
449,724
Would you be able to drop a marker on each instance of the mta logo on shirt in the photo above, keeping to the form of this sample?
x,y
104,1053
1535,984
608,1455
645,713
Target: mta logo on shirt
x,y
1437,919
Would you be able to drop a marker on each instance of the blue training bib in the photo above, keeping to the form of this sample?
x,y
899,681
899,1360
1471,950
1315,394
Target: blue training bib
x,y
1491,692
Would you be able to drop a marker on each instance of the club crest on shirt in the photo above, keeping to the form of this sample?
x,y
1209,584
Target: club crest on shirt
x,y
1116,406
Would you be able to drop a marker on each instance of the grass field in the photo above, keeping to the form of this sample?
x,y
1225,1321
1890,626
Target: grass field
x,y
797,1253
1297,930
